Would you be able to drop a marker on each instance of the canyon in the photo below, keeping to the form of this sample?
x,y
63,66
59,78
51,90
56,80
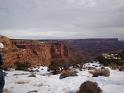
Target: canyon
x,y
36,53
42,52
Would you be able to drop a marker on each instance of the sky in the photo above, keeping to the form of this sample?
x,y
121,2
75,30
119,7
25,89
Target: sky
x,y
66,19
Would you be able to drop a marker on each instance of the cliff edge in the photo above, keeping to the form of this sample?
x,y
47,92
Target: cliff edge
x,y
31,52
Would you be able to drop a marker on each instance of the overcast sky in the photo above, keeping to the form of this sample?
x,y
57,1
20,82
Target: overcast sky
x,y
62,18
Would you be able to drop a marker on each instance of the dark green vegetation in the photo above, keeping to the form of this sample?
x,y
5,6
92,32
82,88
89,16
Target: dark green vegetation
x,y
59,64
22,65
112,59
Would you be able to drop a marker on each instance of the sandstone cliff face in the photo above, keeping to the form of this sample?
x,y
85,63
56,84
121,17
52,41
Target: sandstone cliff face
x,y
7,43
34,52
59,50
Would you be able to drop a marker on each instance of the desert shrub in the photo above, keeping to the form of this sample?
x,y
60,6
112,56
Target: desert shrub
x,y
89,87
55,66
103,61
68,73
22,82
22,65
121,68
122,55
111,61
5,90
32,75
80,58
100,72
33,91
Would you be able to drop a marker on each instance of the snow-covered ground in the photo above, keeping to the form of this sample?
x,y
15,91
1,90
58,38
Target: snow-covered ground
x,y
19,82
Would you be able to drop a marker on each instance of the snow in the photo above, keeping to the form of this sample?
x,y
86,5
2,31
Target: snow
x,y
46,83
1,45
93,65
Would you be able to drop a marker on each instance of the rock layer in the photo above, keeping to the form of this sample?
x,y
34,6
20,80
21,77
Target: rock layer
x,y
35,52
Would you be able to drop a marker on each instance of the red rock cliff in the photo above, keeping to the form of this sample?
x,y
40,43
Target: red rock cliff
x,y
35,52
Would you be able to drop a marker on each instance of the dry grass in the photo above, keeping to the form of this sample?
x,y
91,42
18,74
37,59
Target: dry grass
x,y
68,73
6,91
38,84
100,72
32,75
22,82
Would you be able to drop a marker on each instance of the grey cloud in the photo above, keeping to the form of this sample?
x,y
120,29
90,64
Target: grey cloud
x,y
83,18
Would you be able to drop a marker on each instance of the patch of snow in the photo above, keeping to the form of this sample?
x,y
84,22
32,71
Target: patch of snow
x,y
52,83
92,65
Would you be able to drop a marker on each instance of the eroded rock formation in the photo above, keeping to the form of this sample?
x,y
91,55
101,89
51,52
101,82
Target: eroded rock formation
x,y
7,42
32,51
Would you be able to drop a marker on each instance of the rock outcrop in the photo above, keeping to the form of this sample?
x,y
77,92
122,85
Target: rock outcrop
x,y
7,42
32,51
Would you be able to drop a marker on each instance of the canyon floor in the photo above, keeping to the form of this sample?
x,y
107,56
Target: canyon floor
x,y
20,82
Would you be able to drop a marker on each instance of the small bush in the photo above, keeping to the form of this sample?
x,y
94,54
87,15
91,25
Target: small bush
x,y
104,61
22,82
89,87
121,68
6,90
32,75
110,61
67,73
33,91
22,65
55,66
100,72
